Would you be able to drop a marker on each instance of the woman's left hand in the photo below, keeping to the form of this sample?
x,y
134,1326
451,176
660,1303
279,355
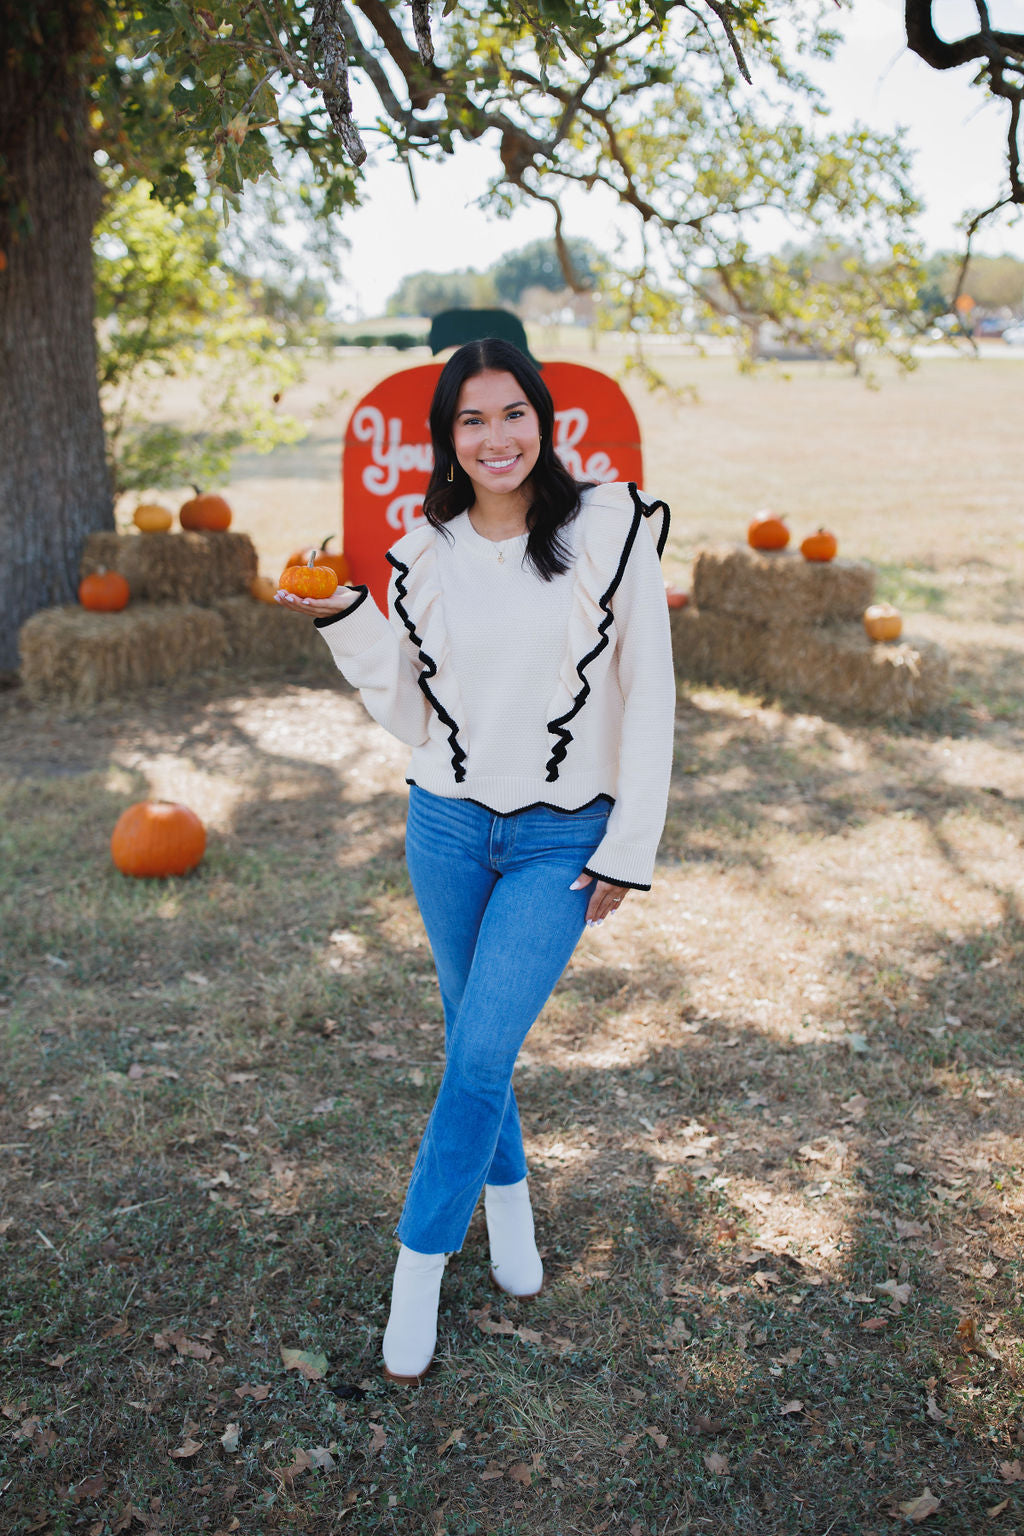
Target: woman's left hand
x,y
604,900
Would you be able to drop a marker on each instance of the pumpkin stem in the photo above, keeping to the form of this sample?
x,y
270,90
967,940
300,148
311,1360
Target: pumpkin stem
x,y
312,558
326,541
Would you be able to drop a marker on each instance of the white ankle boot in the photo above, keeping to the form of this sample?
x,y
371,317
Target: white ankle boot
x,y
516,1266
411,1333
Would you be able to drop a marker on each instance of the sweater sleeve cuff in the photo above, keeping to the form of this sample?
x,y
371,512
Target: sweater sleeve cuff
x,y
629,864
363,592
355,630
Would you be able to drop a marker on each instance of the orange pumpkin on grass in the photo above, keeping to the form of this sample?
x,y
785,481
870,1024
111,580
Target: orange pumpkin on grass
x,y
767,531
104,592
157,838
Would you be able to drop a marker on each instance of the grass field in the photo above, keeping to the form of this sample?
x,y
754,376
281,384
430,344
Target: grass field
x,y
774,1111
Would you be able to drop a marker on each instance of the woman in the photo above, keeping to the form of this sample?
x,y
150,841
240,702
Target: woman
x,y
527,662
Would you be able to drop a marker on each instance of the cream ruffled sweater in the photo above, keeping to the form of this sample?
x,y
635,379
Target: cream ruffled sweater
x,y
515,692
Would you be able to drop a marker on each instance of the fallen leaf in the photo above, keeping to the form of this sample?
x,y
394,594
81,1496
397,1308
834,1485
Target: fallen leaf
x,y
996,1509
259,1394
906,1169
309,1364
966,1334
899,1293
299,1464
935,1413
453,1439
905,1229
58,1362
43,1441
493,1469
920,1508
529,1335
117,1331
523,1473
856,1107
716,1463
660,1440
230,1438
765,1277
88,1488
321,1457
378,1439
176,1339
1011,1471
705,1425
187,1448
873,1324
793,1406
483,1320
241,1077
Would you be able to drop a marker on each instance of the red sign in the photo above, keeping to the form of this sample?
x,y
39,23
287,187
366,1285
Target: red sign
x,y
387,457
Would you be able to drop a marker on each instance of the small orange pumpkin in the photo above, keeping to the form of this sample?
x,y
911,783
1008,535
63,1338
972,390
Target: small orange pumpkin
x,y
883,622
205,512
104,592
676,597
262,589
157,838
323,556
767,531
821,546
150,517
309,580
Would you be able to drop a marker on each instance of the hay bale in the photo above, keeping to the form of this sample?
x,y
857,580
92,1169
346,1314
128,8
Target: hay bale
x,y
780,587
260,637
74,657
833,668
175,567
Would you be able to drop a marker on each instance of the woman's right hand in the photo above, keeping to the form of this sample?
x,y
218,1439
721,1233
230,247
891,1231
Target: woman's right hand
x,y
318,607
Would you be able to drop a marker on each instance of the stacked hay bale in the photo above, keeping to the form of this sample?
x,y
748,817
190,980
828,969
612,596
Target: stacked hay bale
x,y
792,627
190,612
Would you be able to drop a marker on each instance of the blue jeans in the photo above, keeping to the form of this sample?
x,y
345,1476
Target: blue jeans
x,y
502,922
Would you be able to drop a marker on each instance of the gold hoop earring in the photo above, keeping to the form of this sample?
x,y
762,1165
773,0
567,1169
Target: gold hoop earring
x,y
451,474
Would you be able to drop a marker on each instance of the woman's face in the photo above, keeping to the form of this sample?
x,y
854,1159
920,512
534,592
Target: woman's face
x,y
496,433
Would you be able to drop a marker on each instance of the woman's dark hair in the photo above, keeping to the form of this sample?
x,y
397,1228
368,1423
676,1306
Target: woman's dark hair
x,y
555,494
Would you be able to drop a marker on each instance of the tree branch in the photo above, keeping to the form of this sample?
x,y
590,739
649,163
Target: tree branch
x,y
329,45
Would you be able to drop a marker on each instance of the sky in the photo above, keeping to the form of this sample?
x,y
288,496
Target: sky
x,y
958,135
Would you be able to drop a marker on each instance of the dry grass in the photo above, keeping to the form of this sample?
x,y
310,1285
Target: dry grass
x,y
775,1110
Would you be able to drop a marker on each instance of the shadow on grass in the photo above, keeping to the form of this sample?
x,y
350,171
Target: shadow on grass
x,y
759,1243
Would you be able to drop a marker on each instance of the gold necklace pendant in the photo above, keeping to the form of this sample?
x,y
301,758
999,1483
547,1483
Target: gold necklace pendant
x,y
501,557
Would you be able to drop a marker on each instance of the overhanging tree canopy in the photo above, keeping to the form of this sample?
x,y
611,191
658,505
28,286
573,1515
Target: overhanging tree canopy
x,y
682,109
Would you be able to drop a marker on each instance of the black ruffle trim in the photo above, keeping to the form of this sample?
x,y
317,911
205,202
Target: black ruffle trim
x,y
559,727
537,805
629,885
429,671
364,593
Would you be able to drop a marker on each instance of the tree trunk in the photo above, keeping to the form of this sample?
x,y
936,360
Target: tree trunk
x,y
54,486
